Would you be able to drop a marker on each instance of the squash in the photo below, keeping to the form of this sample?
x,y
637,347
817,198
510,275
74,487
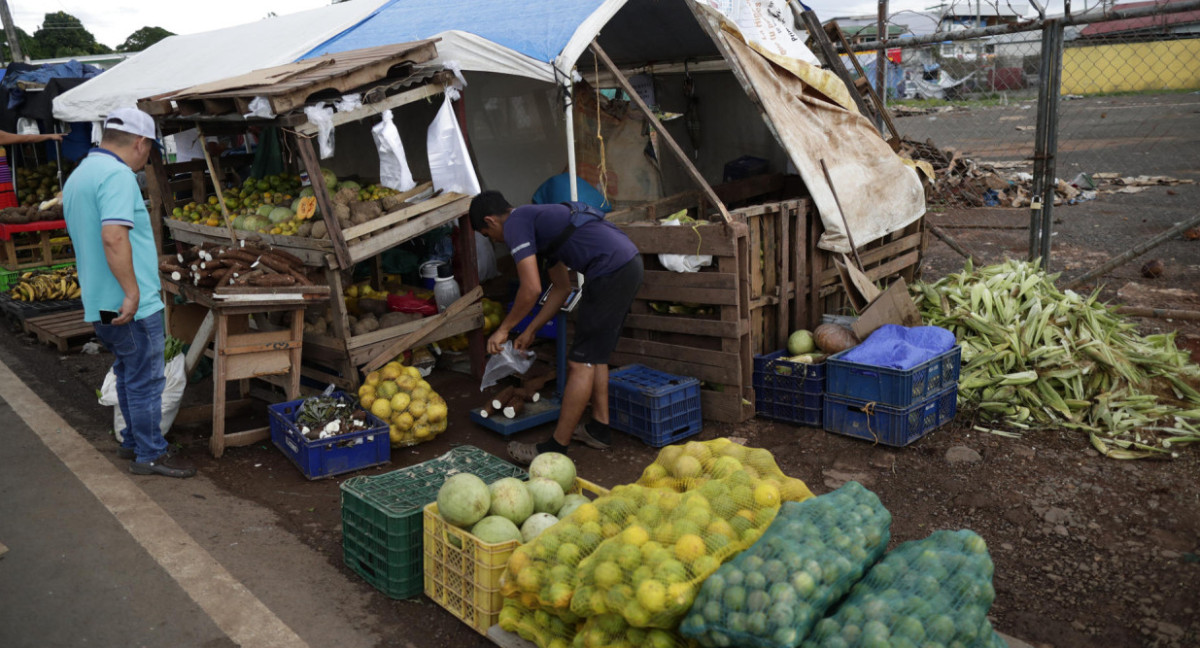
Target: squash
x,y
834,338
307,208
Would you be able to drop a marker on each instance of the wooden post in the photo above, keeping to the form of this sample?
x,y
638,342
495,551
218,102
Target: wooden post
x,y
313,167
162,202
470,280
671,143
216,182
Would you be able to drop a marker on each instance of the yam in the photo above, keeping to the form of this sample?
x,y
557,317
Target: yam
x,y
364,211
392,203
319,230
375,306
389,320
345,196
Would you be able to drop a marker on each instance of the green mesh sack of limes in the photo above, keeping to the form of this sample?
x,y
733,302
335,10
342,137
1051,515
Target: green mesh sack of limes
x,y
772,594
926,593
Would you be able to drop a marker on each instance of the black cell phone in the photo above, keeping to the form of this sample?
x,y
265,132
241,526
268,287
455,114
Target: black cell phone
x,y
107,316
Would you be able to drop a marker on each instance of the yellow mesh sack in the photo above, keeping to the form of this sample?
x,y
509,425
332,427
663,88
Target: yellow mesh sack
x,y
539,626
611,631
687,466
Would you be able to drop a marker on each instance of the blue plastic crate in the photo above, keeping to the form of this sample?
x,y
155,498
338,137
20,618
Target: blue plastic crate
x,y
892,387
344,453
889,425
658,408
788,391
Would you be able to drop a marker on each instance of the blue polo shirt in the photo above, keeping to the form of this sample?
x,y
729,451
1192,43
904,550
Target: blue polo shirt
x,y
596,249
104,191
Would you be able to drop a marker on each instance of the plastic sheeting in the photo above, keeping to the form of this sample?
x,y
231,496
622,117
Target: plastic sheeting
x,y
180,62
878,193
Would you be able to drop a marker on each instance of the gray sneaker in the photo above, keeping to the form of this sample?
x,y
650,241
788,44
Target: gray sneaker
x,y
597,440
167,465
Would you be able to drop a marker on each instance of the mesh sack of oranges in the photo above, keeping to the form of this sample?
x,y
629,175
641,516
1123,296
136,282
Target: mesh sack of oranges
x,y
685,467
612,631
935,591
415,413
772,594
544,573
539,626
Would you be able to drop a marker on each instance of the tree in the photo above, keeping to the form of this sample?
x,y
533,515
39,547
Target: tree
x,y
143,38
29,47
62,34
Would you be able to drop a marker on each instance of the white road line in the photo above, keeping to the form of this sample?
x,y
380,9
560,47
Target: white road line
x,y
232,607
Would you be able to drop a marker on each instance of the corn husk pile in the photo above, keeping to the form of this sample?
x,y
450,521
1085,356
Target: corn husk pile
x,y
1037,357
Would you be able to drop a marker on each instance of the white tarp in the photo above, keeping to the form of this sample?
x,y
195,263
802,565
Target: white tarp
x,y
180,62
767,26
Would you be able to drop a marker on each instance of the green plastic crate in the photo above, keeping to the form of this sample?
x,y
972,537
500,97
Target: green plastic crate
x,y
381,516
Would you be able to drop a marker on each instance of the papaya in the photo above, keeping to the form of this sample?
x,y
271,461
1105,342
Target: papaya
x,y
305,207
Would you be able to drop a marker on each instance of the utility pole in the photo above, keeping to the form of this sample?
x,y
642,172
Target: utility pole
x,y
10,31
881,55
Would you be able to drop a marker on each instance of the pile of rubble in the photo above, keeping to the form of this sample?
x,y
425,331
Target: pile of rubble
x,y
960,181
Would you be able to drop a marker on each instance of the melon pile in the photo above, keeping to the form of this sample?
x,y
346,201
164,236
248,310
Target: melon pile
x,y
511,509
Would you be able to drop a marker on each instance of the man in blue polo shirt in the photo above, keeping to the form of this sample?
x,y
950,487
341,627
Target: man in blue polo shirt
x,y
612,268
118,275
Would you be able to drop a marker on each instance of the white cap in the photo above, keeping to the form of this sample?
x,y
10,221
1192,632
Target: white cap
x,y
132,120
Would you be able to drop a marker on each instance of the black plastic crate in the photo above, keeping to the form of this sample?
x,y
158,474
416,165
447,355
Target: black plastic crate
x,y
657,407
788,391
889,425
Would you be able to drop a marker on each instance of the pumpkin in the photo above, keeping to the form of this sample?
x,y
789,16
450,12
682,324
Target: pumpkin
x,y
307,208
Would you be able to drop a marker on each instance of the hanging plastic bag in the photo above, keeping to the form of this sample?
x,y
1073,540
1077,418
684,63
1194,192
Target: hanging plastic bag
x,y
260,107
485,258
322,117
393,165
449,162
172,396
506,363
683,262
348,102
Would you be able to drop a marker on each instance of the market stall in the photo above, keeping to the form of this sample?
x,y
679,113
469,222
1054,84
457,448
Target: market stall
x,y
329,223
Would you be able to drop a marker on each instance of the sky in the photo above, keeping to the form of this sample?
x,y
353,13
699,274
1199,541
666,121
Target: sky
x,y
112,21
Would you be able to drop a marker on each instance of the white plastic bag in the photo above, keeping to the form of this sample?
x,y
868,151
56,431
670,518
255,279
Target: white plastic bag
x,y
506,363
485,258
260,107
322,117
348,102
172,396
449,162
683,262
393,165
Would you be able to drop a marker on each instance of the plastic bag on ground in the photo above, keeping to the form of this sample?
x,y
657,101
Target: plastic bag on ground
x,y
322,117
172,396
772,594
393,165
933,591
449,161
506,363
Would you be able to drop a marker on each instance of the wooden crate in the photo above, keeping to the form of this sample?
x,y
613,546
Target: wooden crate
x,y
363,241
24,250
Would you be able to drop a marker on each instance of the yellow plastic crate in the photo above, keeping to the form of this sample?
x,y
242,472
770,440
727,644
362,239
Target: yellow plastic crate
x,y
464,576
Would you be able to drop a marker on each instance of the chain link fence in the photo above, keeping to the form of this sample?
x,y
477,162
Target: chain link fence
x,y
969,107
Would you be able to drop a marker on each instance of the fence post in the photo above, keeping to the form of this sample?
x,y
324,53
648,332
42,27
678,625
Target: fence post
x,y
1046,142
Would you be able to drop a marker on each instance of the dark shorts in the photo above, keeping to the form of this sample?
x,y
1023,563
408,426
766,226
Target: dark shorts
x,y
602,310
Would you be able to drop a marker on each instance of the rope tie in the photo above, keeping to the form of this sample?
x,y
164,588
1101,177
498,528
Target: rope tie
x,y
869,410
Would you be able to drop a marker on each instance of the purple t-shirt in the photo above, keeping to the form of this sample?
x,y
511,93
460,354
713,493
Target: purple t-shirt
x,y
596,249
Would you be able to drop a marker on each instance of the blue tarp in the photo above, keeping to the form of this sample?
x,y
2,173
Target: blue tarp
x,y
43,74
898,347
539,30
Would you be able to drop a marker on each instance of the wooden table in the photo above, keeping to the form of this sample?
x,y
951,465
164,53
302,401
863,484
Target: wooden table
x,y
240,352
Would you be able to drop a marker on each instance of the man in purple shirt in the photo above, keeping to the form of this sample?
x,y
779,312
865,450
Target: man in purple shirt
x,y
612,269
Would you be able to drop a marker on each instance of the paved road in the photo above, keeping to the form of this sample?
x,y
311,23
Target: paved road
x,y
99,557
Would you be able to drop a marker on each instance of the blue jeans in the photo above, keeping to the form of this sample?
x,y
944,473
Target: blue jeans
x,y
138,349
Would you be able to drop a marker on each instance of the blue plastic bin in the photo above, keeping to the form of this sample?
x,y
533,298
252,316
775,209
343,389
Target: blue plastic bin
x,y
788,391
549,330
892,387
333,456
889,425
658,408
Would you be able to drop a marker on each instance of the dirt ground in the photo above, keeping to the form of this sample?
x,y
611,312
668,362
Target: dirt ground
x,y
1088,551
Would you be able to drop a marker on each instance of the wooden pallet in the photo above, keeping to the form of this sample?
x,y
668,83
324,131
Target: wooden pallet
x,y
60,328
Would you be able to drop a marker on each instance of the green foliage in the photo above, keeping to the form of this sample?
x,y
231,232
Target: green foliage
x,y
143,38
29,47
62,34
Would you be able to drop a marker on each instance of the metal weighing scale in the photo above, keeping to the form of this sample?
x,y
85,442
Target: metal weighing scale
x,y
547,408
